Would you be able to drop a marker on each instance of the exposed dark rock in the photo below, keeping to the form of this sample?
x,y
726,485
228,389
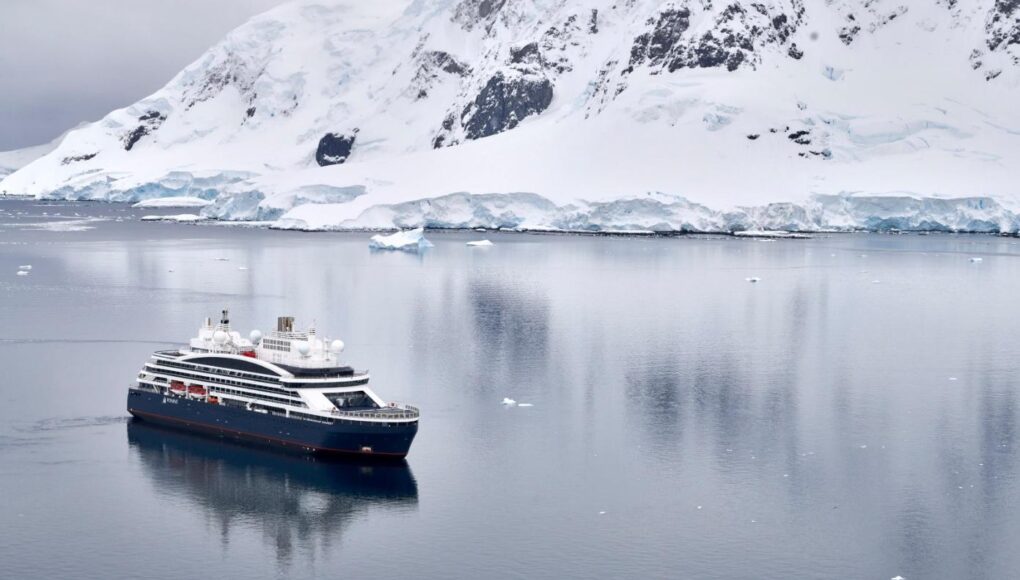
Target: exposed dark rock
x,y
794,52
147,123
76,158
471,13
504,102
335,148
733,41
800,137
250,112
753,136
527,54
1003,26
430,65
593,21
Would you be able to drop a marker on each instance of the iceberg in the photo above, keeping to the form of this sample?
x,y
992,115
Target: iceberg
x,y
174,202
480,244
183,218
407,241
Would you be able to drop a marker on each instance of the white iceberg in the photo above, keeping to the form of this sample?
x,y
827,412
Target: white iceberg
x,y
509,402
175,201
480,243
22,272
407,241
25,267
525,405
183,218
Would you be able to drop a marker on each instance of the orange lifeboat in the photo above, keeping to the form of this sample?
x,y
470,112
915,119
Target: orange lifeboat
x,y
198,390
176,386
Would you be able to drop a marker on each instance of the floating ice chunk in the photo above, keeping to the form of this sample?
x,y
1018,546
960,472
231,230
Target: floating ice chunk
x,y
480,243
242,268
753,279
525,405
509,402
179,201
408,241
699,507
953,378
898,578
25,267
22,272
876,281
976,260
183,218
602,513
221,259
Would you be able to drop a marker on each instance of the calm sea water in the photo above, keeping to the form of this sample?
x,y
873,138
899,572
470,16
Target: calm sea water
x,y
852,415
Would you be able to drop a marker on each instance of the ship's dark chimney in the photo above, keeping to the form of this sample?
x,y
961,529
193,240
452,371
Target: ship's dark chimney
x,y
285,324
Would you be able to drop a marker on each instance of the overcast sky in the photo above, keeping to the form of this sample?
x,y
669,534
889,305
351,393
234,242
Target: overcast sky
x,y
67,61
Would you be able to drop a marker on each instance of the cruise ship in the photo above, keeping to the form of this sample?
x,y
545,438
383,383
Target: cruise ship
x,y
287,388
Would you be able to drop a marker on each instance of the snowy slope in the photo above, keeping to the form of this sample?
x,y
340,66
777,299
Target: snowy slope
x,y
11,161
579,115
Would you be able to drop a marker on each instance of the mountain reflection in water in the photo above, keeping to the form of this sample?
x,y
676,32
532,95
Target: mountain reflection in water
x,y
292,499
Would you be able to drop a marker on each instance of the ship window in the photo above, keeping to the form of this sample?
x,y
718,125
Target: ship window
x,y
355,400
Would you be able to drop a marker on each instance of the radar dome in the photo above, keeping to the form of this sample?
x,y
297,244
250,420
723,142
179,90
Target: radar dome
x,y
304,348
336,346
255,337
219,337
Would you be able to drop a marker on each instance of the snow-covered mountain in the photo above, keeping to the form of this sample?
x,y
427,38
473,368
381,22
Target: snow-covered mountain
x,y
580,115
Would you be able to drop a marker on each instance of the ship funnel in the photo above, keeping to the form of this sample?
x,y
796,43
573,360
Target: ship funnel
x,y
285,324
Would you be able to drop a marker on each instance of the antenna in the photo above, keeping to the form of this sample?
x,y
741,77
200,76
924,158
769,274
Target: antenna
x,y
226,318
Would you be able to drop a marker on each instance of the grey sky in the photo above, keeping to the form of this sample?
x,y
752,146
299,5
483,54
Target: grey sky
x,y
67,61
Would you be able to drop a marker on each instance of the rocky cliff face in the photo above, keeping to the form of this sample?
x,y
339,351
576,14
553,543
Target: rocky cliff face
x,y
801,97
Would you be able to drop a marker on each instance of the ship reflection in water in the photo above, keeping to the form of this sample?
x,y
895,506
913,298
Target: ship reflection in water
x,y
294,500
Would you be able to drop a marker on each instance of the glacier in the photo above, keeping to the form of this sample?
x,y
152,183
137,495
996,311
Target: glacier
x,y
583,116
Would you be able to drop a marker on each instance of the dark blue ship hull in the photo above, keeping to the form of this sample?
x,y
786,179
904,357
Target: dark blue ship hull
x,y
341,437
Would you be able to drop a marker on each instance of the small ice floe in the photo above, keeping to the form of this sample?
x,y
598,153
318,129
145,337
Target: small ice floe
x,y
753,279
407,241
222,259
181,218
898,578
480,244
509,402
976,260
22,272
602,513
525,405
242,268
178,201
25,267
773,234
876,281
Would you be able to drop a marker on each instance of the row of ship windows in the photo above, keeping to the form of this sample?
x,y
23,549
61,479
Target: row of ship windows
x,y
218,371
189,376
226,391
272,344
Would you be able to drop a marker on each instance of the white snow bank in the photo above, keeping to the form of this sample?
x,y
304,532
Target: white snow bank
x,y
408,241
173,202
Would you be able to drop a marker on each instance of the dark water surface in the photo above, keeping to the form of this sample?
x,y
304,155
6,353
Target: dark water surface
x,y
853,415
